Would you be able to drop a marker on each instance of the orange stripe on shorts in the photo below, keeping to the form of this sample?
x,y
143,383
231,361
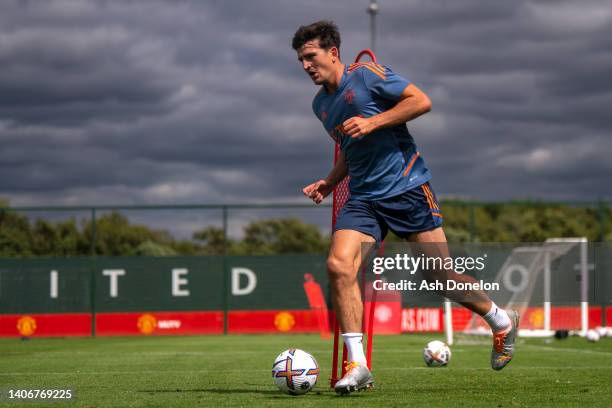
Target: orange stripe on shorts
x,y
427,196
433,198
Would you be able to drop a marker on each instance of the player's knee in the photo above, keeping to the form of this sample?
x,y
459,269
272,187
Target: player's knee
x,y
340,269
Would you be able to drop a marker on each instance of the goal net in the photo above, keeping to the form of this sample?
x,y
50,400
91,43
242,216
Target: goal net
x,y
547,284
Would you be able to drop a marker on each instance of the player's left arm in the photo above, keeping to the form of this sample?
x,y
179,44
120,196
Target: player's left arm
x,y
412,103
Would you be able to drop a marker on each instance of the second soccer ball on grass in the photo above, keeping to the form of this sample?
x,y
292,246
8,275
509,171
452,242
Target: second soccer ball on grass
x,y
436,354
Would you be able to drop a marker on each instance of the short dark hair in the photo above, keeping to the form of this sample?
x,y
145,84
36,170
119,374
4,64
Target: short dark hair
x,y
326,31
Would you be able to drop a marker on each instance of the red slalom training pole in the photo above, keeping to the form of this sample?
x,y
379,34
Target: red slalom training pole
x,y
371,315
370,330
367,52
334,377
340,196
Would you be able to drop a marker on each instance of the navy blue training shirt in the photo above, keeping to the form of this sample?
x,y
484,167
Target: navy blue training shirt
x,y
384,163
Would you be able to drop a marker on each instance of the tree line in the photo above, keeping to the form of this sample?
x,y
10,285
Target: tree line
x,y
115,235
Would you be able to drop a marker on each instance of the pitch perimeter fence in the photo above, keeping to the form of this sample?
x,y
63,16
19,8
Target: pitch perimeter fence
x,y
214,293
465,221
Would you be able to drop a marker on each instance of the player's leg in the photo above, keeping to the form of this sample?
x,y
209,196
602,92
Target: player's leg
x,y
343,265
356,224
504,324
434,245
415,215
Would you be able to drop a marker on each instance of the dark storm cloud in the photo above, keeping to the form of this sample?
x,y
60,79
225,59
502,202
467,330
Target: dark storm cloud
x,y
192,101
519,92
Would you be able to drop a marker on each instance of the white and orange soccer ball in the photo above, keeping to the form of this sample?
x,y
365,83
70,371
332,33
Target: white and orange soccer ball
x,y
436,354
295,372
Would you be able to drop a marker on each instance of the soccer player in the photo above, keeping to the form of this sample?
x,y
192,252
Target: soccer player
x,y
364,107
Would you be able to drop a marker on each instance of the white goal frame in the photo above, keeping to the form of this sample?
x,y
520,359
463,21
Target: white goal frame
x,y
546,331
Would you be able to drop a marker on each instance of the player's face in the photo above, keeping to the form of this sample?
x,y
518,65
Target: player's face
x,y
318,62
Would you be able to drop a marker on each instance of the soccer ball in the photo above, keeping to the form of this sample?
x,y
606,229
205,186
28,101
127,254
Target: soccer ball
x,y
295,372
592,336
602,331
436,354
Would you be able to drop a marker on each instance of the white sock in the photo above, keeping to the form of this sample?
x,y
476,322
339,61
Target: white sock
x,y
354,345
497,318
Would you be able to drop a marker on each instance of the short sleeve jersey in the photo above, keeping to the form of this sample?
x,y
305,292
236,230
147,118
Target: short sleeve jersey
x,y
384,163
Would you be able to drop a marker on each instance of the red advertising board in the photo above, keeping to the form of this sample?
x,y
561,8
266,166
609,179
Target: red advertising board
x,y
45,325
389,317
159,323
273,321
415,320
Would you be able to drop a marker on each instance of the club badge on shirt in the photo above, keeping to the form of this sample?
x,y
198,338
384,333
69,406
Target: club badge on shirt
x,y
348,96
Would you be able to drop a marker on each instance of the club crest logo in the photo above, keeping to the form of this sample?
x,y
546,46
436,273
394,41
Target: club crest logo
x,y
323,115
147,323
383,313
349,95
26,326
536,318
284,321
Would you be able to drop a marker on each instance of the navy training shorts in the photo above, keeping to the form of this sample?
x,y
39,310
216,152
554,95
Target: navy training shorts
x,y
413,211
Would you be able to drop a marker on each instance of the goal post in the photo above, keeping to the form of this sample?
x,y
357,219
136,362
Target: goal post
x,y
448,322
583,266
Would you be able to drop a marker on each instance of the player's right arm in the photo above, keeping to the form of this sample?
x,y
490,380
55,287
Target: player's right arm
x,y
318,190
409,101
412,103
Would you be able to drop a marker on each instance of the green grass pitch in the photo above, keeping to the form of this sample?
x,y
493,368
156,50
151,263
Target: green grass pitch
x,y
227,371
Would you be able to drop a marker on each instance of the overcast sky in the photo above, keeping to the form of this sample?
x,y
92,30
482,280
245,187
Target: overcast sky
x,y
160,102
